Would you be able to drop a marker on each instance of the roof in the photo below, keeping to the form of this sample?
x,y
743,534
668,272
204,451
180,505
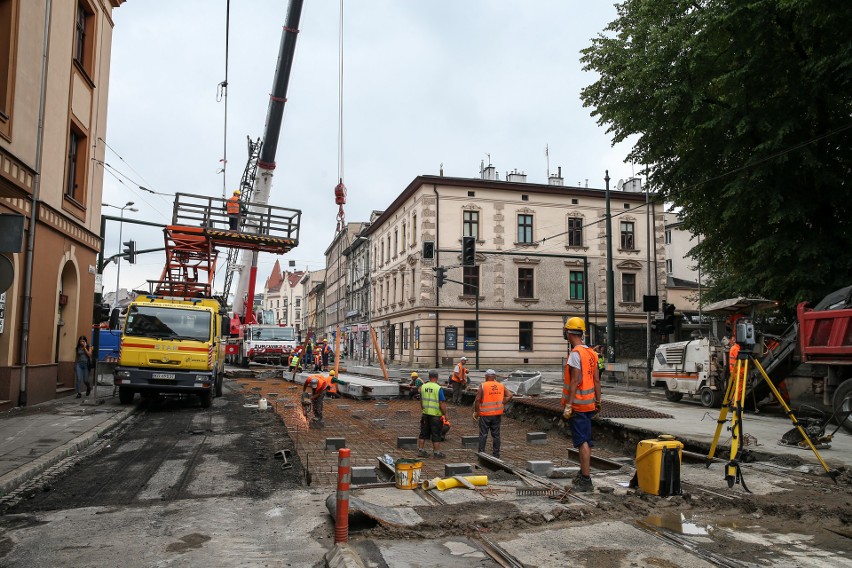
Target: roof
x,y
293,278
273,283
738,305
672,282
477,183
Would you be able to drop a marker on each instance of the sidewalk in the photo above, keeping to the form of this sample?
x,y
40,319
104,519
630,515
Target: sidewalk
x,y
34,438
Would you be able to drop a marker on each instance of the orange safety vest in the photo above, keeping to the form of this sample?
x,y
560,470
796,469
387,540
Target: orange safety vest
x,y
233,205
459,374
492,399
584,396
332,386
322,382
732,366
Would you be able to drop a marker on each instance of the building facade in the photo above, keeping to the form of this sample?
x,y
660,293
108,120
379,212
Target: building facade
x,y
683,275
313,294
336,274
283,296
51,183
540,257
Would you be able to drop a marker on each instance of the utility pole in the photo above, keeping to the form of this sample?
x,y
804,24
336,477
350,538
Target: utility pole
x,y
648,268
610,291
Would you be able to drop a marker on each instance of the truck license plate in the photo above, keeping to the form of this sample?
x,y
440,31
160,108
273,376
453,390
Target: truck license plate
x,y
163,376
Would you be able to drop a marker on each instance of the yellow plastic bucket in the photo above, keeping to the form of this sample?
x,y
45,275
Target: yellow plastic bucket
x,y
408,473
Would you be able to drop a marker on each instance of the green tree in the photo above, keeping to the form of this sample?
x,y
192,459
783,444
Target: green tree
x,y
742,110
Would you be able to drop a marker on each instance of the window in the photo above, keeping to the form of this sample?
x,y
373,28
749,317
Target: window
x,y
470,224
525,228
298,315
575,232
414,229
403,236
383,251
389,249
525,197
75,180
470,277
375,256
8,41
395,242
627,235
668,266
628,287
469,335
83,35
298,301
668,236
575,285
525,336
525,283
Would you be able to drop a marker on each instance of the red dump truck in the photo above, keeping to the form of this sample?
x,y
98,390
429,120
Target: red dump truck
x,y
825,340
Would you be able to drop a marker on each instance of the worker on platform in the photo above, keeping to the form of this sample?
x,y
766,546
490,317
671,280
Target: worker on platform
x,y
414,386
459,380
434,407
581,397
234,210
488,406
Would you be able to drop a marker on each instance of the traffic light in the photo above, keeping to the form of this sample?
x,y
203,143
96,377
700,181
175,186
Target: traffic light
x,y
440,274
655,325
130,251
100,314
468,251
669,319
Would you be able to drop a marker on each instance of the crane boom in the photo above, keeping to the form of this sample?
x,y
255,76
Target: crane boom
x,y
246,267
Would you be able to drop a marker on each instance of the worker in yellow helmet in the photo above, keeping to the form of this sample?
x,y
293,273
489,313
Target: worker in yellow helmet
x,y
233,209
581,397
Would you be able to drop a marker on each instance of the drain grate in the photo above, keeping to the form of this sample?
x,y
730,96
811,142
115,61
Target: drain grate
x,y
609,409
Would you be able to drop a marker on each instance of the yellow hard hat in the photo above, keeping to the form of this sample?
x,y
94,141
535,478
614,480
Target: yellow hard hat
x,y
236,192
575,325
414,375
331,373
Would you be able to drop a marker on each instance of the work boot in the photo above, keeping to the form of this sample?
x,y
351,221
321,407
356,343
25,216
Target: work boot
x,y
439,455
422,454
582,484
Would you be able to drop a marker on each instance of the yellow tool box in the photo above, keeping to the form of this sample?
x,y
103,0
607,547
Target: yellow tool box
x,y
658,466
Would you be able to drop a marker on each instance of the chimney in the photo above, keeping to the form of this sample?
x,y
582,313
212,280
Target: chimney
x,y
487,172
516,176
556,179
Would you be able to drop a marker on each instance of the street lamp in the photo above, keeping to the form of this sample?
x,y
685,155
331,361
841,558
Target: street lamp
x,y
128,205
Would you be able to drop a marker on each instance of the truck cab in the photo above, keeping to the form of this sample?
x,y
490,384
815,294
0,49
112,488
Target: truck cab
x,y
172,345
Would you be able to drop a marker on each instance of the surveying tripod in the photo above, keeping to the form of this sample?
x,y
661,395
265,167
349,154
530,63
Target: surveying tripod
x,y
733,402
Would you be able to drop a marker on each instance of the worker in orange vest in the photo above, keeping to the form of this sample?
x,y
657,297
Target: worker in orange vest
x,y
733,354
318,384
581,397
233,209
459,380
445,428
488,409
333,381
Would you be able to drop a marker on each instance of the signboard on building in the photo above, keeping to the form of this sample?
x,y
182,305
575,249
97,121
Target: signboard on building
x,y
469,344
417,338
363,327
451,338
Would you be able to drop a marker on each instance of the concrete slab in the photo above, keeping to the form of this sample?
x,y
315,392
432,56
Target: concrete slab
x,y
540,467
406,442
470,441
362,474
335,443
537,438
452,469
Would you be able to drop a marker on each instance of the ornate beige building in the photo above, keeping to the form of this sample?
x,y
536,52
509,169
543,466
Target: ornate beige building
x,y
50,179
540,255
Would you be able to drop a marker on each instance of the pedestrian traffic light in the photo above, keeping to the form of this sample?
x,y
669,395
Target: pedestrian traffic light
x,y
440,274
468,251
130,251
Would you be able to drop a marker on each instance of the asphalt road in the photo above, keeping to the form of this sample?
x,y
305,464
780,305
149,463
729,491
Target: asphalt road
x,y
176,486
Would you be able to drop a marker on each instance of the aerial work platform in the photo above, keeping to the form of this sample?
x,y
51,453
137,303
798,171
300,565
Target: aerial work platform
x,y
200,225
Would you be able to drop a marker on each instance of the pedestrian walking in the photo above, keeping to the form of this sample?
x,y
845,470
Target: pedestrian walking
x,y
488,406
434,407
581,397
83,362
459,380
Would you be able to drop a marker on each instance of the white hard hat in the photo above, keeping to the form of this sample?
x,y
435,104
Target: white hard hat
x,y
463,359
490,373
313,382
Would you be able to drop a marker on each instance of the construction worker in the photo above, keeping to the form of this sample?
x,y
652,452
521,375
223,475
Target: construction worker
x,y
414,386
488,410
318,384
445,428
459,380
734,352
294,361
233,209
334,380
317,355
326,353
581,397
434,407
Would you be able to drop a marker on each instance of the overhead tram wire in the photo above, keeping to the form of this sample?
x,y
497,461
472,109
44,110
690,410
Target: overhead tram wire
x,y
121,181
114,151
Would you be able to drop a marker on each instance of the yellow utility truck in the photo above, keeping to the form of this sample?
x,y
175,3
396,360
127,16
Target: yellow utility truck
x,y
172,345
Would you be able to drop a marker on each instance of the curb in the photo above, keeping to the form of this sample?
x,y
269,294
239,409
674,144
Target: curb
x,y
342,556
15,478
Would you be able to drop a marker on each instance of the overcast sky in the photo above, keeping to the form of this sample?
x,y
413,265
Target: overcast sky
x,y
426,83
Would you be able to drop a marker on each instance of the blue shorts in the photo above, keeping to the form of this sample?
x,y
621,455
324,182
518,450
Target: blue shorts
x,y
581,428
